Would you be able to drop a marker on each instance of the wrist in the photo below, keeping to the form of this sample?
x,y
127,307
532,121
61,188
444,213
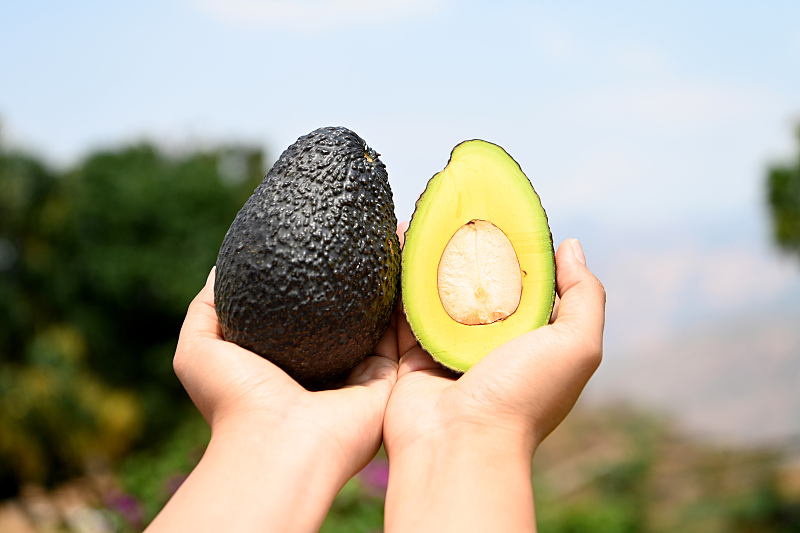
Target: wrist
x,y
295,454
462,479
462,435
465,444
249,477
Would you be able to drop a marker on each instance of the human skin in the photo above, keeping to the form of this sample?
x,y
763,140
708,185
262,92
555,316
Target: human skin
x,y
460,450
278,453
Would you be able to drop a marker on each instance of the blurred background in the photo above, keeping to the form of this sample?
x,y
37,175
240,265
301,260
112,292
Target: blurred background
x,y
664,135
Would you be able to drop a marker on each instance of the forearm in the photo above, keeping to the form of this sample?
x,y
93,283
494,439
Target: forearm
x,y
466,482
252,481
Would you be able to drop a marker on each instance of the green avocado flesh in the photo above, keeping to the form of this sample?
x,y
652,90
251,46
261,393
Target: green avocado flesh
x,y
478,264
308,273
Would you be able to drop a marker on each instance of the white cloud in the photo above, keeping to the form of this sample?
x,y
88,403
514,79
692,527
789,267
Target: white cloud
x,y
557,43
794,46
685,103
691,104
600,177
314,15
641,59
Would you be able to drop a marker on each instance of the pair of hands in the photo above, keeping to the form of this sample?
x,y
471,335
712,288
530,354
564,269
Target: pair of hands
x,y
440,433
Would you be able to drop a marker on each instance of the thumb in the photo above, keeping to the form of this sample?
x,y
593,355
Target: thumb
x,y
583,298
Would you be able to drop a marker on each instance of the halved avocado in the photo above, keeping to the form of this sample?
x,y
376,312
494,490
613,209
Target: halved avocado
x,y
478,262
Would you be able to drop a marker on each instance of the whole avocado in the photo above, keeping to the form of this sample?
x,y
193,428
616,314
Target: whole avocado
x,y
308,273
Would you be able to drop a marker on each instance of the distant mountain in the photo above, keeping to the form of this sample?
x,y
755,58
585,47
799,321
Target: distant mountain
x,y
737,380
703,323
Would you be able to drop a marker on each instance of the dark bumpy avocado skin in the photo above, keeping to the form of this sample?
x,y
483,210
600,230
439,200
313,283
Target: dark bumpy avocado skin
x,y
308,273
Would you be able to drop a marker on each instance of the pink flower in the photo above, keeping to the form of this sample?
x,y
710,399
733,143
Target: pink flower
x,y
375,476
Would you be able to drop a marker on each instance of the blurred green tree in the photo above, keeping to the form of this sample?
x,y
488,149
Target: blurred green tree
x,y
783,196
97,267
144,233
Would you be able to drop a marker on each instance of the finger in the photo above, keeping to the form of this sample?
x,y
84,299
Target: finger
x,y
412,357
387,344
582,303
201,317
383,361
401,232
200,344
373,368
554,313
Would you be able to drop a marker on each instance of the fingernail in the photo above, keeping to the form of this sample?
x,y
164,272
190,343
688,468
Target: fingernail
x,y
578,251
211,275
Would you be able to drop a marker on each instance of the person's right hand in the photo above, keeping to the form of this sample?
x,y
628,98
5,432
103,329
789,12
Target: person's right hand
x,y
460,449
278,453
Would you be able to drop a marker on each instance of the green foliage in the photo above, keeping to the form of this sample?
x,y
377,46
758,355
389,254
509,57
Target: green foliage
x,y
783,195
617,470
97,267
56,414
151,476
145,232
355,510
615,516
766,509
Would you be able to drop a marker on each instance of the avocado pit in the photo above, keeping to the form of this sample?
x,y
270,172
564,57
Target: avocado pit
x,y
479,277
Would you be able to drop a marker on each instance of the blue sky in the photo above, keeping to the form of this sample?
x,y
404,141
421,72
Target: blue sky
x,y
646,127
631,104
